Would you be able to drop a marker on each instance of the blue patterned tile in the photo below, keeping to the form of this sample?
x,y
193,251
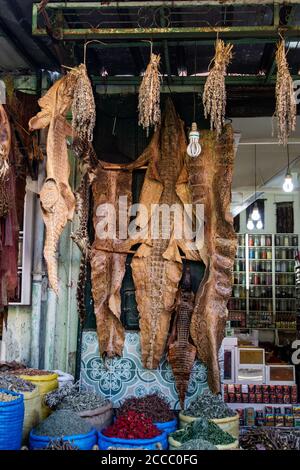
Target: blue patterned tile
x,y
119,378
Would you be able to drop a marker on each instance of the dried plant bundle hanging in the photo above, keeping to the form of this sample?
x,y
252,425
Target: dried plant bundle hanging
x,y
83,106
5,143
214,95
149,95
286,108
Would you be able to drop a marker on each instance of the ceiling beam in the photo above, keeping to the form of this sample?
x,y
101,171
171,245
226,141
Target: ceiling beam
x,y
157,3
17,45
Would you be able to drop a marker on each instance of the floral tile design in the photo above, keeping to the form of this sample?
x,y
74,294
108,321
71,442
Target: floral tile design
x,y
119,378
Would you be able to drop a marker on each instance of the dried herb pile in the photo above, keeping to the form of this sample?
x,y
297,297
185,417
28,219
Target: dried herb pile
x,y
71,398
197,444
203,429
16,384
62,423
60,444
6,397
286,108
210,406
153,406
132,425
270,439
214,94
31,372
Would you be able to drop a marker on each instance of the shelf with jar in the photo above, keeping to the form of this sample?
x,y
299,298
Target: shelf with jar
x,y
264,294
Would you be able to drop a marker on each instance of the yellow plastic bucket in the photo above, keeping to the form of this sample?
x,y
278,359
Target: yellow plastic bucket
x,y
32,412
46,383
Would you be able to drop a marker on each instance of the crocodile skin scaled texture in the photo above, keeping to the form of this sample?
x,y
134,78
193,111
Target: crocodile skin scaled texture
x,y
56,196
108,266
181,353
5,147
157,265
210,177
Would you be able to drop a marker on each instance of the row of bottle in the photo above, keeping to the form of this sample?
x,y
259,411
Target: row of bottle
x,y
261,292
285,266
286,240
285,305
259,279
260,253
260,266
285,253
284,320
282,292
287,279
261,305
260,240
260,320
237,304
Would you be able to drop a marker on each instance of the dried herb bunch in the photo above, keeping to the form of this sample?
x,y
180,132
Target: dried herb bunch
x,y
286,108
149,95
83,106
71,398
214,95
270,439
153,406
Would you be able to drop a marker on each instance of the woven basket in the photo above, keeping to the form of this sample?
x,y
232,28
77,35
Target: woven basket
x,y
176,445
11,422
99,418
230,424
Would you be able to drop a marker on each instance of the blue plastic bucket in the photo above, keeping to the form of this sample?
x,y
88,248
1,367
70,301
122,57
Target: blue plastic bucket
x,y
83,441
168,427
11,421
156,443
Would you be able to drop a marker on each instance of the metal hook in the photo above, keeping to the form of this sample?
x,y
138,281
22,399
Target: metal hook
x,y
85,47
151,45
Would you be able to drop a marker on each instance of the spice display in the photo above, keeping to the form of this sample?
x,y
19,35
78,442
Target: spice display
x,y
60,444
31,372
153,406
203,429
70,397
181,353
214,94
56,196
149,95
62,423
108,267
270,439
132,425
197,444
157,265
210,181
286,108
83,106
210,406
5,397
16,384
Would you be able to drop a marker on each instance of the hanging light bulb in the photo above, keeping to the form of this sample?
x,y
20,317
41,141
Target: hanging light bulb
x,y
288,180
194,148
250,224
288,185
259,225
255,213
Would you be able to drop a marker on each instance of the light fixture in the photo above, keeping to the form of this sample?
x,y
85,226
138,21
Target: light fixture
x,y
288,180
259,225
194,148
250,224
255,212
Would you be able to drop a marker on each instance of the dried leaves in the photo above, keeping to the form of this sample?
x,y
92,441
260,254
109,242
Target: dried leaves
x,y
149,95
286,108
83,106
214,95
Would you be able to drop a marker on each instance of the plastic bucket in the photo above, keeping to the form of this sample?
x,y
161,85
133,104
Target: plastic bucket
x,y
230,424
83,441
168,427
45,383
157,443
11,421
32,413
